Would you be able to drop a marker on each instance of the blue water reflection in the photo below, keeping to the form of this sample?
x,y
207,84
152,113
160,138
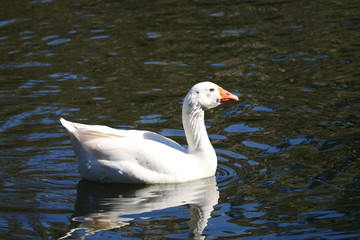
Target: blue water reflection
x,y
242,128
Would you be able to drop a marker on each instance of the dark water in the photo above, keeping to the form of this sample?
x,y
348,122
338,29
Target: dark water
x,y
288,151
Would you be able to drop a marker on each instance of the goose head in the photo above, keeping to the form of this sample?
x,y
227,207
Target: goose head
x,y
206,95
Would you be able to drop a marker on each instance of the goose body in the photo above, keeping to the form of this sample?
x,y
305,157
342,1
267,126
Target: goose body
x,y
133,156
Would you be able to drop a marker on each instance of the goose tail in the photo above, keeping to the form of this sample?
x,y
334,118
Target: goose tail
x,y
70,126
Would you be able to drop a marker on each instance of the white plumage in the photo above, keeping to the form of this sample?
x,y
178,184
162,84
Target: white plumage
x,y
134,156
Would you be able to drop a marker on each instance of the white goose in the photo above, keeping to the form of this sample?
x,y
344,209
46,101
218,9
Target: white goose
x,y
132,156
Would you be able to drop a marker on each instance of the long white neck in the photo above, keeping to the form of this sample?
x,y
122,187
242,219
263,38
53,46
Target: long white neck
x,y
194,126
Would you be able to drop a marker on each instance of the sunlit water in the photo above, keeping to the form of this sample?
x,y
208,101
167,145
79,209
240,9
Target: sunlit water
x,y
288,151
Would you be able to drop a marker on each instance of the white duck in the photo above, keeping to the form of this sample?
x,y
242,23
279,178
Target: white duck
x,y
132,156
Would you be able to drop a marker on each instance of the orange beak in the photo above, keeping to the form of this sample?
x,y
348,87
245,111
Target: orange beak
x,y
226,96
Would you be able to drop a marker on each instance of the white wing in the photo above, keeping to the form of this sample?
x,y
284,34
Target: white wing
x,y
107,154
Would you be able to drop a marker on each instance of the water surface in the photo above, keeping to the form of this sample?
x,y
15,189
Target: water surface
x,y
288,151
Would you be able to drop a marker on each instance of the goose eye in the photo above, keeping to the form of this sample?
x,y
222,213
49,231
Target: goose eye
x,y
211,89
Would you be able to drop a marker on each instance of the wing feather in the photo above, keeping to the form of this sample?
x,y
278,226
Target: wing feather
x,y
127,151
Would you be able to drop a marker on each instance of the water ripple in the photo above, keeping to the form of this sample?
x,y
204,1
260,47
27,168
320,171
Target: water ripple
x,y
336,143
241,31
11,21
280,147
18,119
173,133
281,58
49,37
59,41
242,128
24,65
153,35
153,118
98,37
228,174
264,109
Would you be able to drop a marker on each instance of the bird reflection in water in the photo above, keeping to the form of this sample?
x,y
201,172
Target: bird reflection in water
x,y
111,206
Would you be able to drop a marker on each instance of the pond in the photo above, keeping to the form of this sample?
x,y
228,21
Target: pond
x,y
288,151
